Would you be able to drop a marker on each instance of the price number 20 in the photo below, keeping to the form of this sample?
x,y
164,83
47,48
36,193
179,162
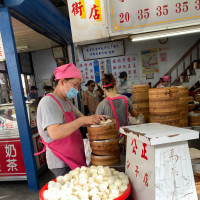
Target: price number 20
x,y
124,17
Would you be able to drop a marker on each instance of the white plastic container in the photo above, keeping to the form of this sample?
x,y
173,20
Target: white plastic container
x,y
158,162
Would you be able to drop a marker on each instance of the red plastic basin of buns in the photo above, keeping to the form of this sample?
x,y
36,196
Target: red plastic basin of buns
x,y
122,197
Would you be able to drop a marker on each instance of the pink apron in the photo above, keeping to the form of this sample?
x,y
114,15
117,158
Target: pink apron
x,y
71,148
114,111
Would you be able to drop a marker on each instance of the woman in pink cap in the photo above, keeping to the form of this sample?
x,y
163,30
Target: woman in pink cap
x,y
58,122
164,81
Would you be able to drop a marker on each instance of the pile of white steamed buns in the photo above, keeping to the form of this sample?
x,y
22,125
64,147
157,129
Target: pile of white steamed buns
x,y
88,183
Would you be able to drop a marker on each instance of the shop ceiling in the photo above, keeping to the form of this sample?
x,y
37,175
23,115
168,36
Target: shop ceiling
x,y
28,39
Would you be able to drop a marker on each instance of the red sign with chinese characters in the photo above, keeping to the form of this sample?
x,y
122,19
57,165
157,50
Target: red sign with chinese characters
x,y
138,153
12,162
2,55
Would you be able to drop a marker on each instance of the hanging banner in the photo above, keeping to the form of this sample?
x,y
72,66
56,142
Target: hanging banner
x,y
103,50
102,67
97,74
149,61
133,17
108,66
2,55
88,20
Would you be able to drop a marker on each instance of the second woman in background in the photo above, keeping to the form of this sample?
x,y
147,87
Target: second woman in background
x,y
115,105
91,97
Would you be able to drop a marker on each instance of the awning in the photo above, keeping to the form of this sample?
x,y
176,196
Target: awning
x,y
43,17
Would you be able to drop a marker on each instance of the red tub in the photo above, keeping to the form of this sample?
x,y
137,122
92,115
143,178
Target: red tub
x,y
122,197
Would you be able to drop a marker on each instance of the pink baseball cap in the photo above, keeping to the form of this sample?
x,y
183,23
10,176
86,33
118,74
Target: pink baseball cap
x,y
67,71
166,78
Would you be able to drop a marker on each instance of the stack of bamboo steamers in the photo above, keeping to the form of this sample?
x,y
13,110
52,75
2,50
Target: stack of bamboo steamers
x,y
183,105
140,100
104,143
167,105
164,106
194,119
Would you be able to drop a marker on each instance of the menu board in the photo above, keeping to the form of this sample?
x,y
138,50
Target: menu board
x,y
114,65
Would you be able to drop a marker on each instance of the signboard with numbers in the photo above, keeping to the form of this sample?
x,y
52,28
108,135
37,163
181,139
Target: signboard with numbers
x,y
88,20
12,162
2,55
128,16
114,65
158,162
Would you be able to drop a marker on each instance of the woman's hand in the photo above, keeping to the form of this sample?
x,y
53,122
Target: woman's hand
x,y
92,120
97,84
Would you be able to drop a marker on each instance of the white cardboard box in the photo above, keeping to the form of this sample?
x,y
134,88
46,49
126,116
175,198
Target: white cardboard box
x,y
158,162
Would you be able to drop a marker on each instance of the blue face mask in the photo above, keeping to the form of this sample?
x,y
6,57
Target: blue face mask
x,y
121,80
72,93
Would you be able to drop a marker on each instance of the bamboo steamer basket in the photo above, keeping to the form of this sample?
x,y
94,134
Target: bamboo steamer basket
x,y
164,106
142,107
166,117
169,120
104,160
103,132
140,93
191,107
166,122
197,97
194,120
183,91
184,122
190,99
183,105
141,100
191,104
163,93
105,147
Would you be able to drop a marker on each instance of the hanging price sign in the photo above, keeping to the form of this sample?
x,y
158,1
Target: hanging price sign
x,y
2,55
128,16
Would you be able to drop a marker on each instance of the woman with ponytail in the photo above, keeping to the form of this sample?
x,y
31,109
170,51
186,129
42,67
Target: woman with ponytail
x,y
115,105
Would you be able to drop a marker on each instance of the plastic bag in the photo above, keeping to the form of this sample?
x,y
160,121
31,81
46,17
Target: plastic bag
x,y
88,151
139,120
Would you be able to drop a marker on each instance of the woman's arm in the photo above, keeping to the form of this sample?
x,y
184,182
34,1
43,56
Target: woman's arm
x,y
60,131
131,109
134,113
